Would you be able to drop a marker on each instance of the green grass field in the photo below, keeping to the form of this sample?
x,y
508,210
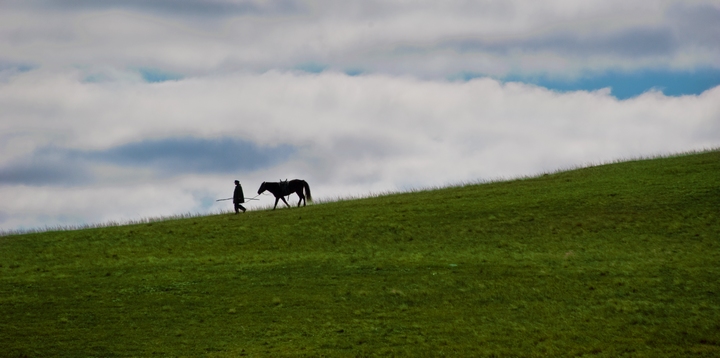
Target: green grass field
x,y
606,261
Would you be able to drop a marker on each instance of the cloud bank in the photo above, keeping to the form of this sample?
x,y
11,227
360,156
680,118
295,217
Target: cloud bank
x,y
115,111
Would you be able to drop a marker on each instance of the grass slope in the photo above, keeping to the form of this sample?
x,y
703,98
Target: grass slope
x,y
613,260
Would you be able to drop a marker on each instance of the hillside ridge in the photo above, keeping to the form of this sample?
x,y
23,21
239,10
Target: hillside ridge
x,y
612,260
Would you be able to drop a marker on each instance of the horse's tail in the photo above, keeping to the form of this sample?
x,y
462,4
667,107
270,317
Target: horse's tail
x,y
307,191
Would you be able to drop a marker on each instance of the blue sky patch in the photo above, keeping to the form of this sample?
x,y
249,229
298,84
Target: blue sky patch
x,y
624,85
16,66
153,75
10,69
354,72
311,67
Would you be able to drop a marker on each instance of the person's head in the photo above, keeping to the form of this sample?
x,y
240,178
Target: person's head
x,y
237,182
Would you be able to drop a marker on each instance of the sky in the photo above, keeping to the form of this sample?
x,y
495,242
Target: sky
x,y
115,111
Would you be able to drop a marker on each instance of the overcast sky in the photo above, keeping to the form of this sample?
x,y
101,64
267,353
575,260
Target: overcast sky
x,y
119,110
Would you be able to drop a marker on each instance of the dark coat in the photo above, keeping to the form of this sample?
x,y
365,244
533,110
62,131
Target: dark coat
x,y
238,196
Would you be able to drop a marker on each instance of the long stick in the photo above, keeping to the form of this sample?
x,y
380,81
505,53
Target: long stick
x,y
232,198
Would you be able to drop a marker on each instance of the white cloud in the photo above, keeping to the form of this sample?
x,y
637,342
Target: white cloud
x,y
71,81
355,135
424,39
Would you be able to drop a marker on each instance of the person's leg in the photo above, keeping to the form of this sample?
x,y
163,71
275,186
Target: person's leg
x,y
241,208
237,208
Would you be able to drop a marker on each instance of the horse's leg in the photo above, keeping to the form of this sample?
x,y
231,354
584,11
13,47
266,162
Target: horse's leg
x,y
276,201
284,201
301,196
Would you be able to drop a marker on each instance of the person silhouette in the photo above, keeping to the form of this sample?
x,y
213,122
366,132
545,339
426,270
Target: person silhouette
x,y
238,197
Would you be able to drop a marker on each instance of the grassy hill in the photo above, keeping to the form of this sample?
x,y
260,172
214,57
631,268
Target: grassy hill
x,y
613,260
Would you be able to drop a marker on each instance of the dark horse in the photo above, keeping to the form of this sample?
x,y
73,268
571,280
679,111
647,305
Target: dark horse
x,y
285,188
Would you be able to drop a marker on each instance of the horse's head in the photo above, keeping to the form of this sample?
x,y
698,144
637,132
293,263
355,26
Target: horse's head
x,y
262,188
